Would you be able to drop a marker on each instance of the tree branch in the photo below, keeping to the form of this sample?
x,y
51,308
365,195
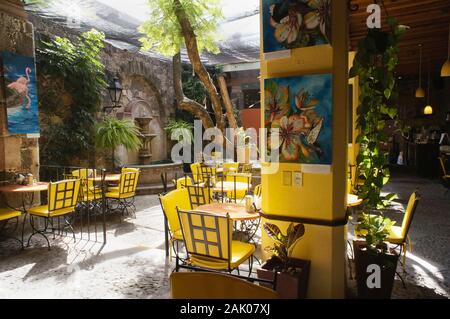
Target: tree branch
x,y
227,102
194,56
185,103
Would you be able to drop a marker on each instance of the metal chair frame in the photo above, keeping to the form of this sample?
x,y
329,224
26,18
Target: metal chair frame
x,y
185,263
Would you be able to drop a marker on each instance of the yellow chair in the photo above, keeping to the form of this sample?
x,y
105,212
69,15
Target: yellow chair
x,y
62,200
169,203
247,168
122,199
6,215
207,285
445,175
196,173
230,167
182,182
130,170
199,196
209,244
399,234
89,192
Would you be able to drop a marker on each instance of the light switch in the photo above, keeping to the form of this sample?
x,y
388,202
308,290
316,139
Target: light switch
x,y
298,179
287,178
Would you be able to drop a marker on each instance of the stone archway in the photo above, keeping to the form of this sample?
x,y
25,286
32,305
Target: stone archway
x,y
147,116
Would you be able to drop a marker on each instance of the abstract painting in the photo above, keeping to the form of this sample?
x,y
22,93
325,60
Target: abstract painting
x,y
300,110
292,24
21,93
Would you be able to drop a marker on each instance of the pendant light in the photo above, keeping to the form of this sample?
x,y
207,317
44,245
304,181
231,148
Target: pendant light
x,y
420,92
428,109
445,72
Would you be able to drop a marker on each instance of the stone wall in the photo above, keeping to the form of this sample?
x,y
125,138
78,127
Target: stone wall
x,y
147,83
18,153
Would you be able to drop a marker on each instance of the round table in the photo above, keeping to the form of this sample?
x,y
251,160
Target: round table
x,y
227,187
111,178
24,190
237,212
36,187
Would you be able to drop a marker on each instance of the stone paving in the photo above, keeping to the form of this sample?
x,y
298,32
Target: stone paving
x,y
133,265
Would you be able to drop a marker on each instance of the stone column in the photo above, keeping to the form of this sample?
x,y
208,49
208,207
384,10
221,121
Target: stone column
x,y
17,152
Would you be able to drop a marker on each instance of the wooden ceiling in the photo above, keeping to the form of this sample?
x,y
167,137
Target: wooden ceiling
x,y
429,22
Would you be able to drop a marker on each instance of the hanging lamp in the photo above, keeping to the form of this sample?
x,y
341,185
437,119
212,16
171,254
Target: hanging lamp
x,y
420,92
445,72
428,109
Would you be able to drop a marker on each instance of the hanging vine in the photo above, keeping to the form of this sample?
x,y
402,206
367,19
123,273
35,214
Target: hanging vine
x,y
71,85
375,65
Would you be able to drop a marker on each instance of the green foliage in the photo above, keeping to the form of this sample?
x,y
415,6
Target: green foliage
x,y
193,88
284,244
375,64
182,129
74,68
112,132
375,229
163,32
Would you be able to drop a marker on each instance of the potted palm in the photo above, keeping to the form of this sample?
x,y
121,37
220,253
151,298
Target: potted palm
x,y
289,274
375,261
112,132
181,131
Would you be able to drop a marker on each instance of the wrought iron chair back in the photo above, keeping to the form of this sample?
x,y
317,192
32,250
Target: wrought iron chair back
x,y
207,237
199,196
128,182
63,195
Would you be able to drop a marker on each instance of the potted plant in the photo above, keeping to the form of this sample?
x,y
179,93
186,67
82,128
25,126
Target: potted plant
x,y
182,132
112,132
374,257
289,274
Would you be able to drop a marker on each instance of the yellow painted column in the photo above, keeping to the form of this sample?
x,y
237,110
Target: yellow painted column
x,y
353,147
321,202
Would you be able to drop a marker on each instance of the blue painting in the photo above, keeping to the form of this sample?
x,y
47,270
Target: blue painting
x,y
21,93
292,24
300,110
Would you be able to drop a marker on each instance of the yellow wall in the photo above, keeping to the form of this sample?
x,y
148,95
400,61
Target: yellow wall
x,y
353,148
321,197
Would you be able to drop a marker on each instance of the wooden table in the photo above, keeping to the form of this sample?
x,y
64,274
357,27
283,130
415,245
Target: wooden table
x,y
353,200
227,187
112,178
237,212
37,187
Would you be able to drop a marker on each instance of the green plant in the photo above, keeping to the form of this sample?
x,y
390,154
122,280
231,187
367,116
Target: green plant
x,y
375,65
112,132
284,244
182,129
70,68
375,229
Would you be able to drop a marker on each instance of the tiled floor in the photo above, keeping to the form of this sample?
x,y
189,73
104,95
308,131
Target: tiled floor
x,y
133,265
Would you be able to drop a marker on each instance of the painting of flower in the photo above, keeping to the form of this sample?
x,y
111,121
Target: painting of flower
x,y
298,115
291,24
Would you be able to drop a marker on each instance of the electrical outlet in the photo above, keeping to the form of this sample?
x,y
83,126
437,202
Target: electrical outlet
x,y
287,178
298,179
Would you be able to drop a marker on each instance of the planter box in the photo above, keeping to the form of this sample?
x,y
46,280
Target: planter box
x,y
287,286
388,266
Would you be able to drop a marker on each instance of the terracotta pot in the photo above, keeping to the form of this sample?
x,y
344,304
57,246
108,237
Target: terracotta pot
x,y
388,265
287,286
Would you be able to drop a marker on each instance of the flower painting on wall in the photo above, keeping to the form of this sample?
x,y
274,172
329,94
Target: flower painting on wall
x,y
291,24
21,93
298,110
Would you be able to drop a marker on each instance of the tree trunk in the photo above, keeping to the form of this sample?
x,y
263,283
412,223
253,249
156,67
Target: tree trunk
x,y
227,102
190,40
185,103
